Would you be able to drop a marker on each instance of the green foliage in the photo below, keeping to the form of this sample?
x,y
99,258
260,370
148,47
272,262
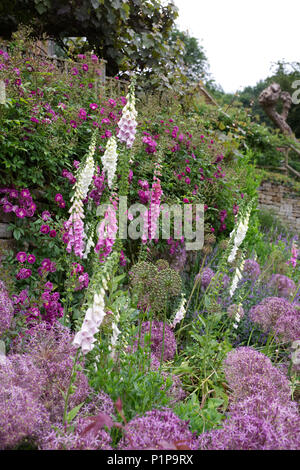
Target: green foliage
x,y
203,417
140,389
128,34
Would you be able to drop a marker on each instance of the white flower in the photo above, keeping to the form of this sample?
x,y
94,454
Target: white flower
x,y
2,92
239,234
109,160
237,277
180,312
94,316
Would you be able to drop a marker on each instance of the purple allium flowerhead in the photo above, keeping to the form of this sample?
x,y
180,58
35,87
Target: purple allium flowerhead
x,y
249,372
21,256
21,416
77,439
251,269
256,423
154,428
282,285
52,351
157,339
205,277
277,315
6,309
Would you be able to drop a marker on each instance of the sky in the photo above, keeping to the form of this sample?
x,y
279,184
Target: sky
x,y
242,38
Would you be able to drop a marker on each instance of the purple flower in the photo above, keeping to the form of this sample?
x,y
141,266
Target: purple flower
x,y
155,429
85,67
249,372
205,277
6,309
45,265
73,124
48,286
45,229
82,114
46,215
21,256
277,315
25,193
58,197
31,259
21,212
52,233
157,339
252,269
23,273
282,285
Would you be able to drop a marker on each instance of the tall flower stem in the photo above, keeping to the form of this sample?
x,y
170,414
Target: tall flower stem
x,y
69,391
163,339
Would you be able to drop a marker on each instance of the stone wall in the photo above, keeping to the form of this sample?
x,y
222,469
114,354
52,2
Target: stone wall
x,y
283,201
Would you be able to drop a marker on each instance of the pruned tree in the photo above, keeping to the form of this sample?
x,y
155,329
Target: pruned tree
x,y
269,99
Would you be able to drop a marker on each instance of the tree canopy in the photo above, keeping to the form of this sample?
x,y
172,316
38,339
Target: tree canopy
x,y
127,33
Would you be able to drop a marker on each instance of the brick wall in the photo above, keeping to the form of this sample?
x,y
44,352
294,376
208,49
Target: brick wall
x,y
283,201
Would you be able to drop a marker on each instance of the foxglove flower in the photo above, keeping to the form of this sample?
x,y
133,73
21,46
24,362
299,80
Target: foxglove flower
x,y
107,232
75,224
109,160
127,124
239,233
85,337
180,312
236,278
2,92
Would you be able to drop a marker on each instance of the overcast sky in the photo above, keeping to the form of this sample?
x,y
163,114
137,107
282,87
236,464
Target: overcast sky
x,y
242,39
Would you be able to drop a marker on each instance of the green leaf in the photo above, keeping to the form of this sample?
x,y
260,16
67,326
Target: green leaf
x,y
72,413
17,234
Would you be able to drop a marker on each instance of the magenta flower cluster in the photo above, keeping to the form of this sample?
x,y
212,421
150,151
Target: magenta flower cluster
x,y
99,186
81,277
18,202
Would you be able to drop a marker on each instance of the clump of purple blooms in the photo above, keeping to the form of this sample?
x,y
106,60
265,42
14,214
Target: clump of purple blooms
x,y
50,350
205,277
261,415
76,437
277,315
282,285
19,202
157,329
256,423
252,269
249,372
6,309
155,429
81,278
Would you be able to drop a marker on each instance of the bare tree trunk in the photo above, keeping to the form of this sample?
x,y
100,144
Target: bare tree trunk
x,y
268,100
